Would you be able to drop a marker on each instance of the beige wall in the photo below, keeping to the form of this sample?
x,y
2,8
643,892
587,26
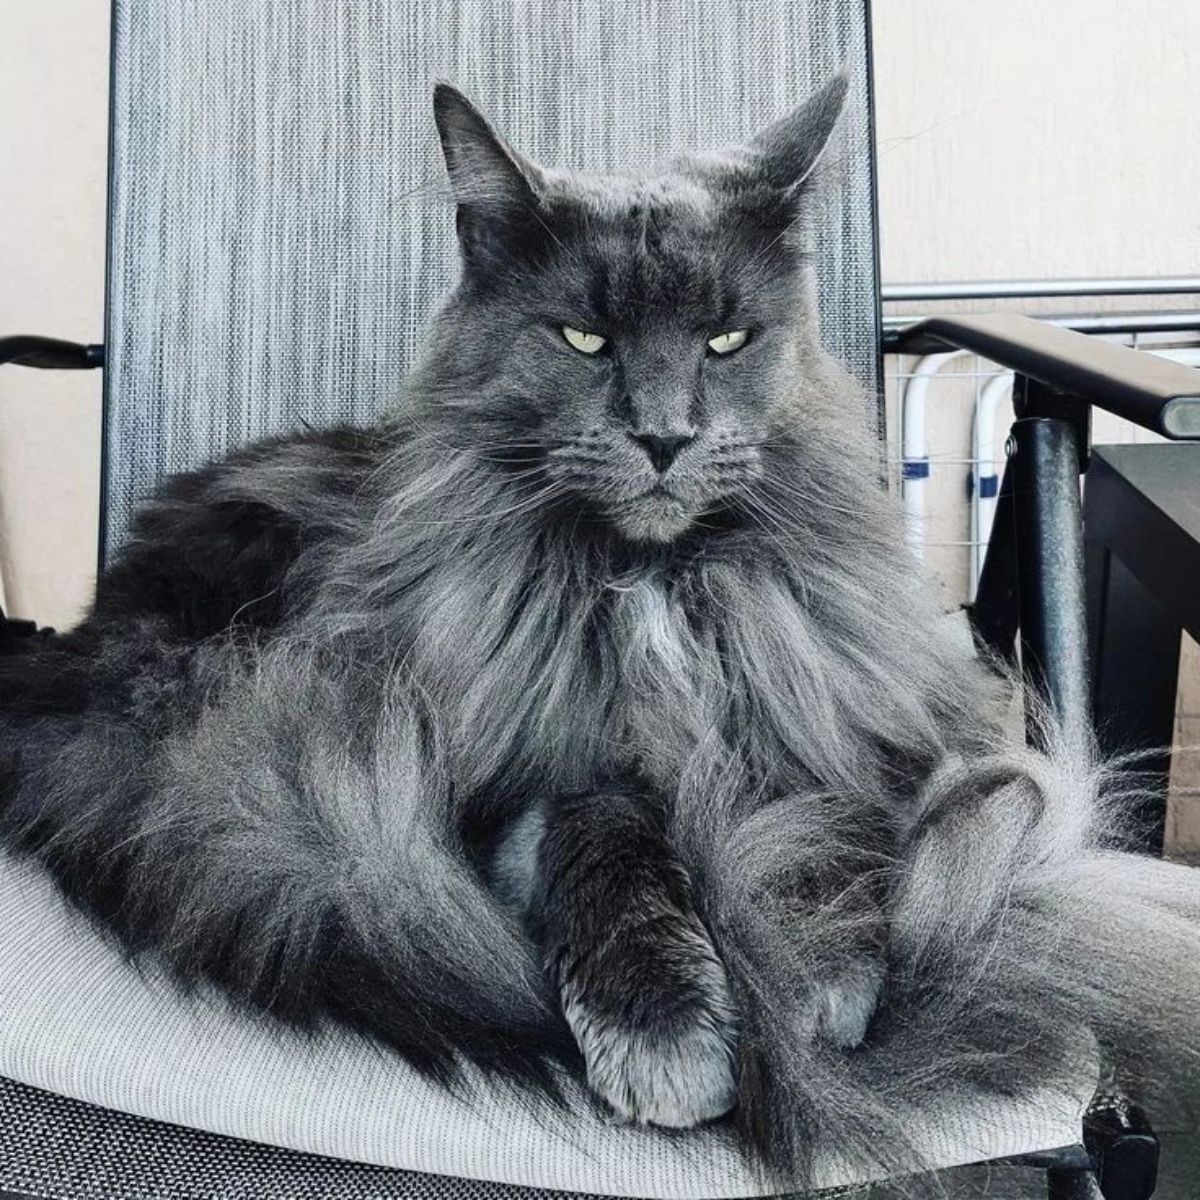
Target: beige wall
x,y
53,101
1038,137
1018,137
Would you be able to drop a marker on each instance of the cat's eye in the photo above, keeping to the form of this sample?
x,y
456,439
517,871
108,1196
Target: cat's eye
x,y
585,343
727,343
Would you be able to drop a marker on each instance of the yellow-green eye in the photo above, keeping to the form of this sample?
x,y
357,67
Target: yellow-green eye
x,y
727,343
585,343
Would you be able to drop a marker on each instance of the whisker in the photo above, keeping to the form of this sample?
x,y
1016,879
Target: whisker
x,y
528,504
813,499
752,508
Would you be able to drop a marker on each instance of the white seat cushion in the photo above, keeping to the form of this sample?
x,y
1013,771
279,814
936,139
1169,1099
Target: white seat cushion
x,y
78,1020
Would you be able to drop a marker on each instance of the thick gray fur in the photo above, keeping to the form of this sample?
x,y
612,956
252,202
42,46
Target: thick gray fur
x,y
498,622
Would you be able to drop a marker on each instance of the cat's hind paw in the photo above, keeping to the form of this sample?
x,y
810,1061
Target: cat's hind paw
x,y
847,1000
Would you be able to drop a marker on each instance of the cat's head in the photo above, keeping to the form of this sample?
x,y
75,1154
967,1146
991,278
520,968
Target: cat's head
x,y
625,340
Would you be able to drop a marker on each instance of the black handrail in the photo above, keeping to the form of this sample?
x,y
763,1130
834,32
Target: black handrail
x,y
50,354
1153,392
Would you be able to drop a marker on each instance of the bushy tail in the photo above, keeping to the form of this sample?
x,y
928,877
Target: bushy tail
x,y
238,814
1020,953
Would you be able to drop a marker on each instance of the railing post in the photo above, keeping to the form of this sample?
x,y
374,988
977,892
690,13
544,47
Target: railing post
x,y
1047,455
993,613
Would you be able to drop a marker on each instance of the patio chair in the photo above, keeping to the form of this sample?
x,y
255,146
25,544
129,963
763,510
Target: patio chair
x,y
274,252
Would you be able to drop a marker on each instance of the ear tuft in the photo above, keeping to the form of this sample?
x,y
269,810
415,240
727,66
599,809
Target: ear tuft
x,y
484,170
789,150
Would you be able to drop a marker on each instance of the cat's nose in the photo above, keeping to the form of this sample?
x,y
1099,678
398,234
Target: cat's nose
x,y
662,450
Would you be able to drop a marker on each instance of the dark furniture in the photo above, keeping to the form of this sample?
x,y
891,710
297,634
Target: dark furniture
x,y
1142,560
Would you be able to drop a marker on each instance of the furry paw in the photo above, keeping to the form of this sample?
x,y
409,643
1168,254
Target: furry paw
x,y
847,1000
665,1055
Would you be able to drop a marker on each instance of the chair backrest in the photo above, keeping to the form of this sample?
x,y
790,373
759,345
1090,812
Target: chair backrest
x,y
275,243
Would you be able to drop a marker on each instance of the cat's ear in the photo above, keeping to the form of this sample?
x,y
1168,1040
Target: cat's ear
x,y
495,188
788,151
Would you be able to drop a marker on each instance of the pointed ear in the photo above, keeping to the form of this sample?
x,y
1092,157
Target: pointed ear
x,y
790,149
496,189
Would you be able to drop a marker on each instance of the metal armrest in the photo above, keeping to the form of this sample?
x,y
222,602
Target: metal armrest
x,y
50,353
1153,392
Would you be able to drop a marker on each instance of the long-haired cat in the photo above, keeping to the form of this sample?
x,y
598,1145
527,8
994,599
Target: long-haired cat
x,y
588,711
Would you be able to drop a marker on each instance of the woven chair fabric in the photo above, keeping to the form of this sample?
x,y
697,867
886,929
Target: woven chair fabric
x,y
53,1146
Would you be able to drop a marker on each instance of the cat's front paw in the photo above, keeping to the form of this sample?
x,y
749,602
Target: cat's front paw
x,y
677,1078
665,1054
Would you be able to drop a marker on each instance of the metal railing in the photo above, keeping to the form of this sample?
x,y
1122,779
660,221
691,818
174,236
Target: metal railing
x,y
1021,289
1135,322
949,410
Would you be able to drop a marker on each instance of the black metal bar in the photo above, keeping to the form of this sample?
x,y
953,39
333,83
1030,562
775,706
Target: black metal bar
x,y
1138,562
50,354
1153,392
1049,445
1135,665
1022,289
897,327
994,613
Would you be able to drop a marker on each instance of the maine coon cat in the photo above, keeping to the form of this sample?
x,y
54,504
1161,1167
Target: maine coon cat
x,y
587,711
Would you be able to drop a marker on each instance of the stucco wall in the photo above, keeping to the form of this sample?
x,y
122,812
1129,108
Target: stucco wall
x,y
1038,137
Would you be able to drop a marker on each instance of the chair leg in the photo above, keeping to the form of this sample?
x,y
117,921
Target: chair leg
x,y
1124,1148
1072,1183
1135,665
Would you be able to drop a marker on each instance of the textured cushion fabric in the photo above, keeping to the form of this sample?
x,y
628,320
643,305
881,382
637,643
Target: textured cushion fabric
x,y
279,230
77,1020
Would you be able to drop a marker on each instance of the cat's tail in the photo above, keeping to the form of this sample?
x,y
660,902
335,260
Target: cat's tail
x,y
239,816
1021,955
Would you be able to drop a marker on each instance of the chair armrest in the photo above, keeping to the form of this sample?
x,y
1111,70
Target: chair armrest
x,y
1153,392
16,636
50,353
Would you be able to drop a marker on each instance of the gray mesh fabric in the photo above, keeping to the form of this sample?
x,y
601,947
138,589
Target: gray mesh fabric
x,y
279,232
53,1146
60,1148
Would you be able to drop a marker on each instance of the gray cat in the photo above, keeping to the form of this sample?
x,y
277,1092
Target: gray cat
x,y
588,712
